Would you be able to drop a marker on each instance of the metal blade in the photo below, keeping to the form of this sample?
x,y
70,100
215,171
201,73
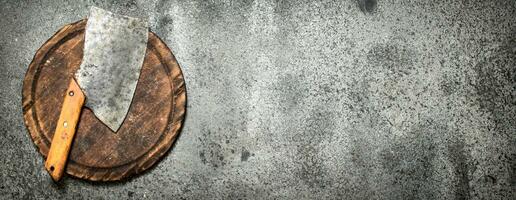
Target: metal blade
x,y
114,50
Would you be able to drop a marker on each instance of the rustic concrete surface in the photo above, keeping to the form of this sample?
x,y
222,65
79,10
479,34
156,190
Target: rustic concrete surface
x,y
310,100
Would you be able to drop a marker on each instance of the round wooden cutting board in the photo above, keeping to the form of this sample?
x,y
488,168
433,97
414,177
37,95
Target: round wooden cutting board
x,y
98,154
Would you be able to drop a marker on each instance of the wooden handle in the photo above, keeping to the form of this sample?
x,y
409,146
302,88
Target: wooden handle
x,y
65,130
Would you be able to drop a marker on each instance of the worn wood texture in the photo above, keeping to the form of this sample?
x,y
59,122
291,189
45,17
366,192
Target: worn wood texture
x,y
65,130
150,128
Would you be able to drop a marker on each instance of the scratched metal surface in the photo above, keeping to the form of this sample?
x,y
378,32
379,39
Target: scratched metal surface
x,y
114,49
313,99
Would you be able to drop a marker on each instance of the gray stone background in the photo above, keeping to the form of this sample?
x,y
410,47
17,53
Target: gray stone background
x,y
302,99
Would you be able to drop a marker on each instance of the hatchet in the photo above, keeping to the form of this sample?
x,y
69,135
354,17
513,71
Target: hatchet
x,y
114,49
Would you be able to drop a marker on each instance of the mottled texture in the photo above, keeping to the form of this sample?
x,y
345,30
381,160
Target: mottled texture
x,y
402,100
114,49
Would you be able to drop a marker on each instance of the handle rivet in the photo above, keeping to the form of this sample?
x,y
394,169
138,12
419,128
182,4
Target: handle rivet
x,y
71,93
65,124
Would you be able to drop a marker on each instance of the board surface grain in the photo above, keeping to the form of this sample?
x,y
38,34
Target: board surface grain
x,y
151,126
